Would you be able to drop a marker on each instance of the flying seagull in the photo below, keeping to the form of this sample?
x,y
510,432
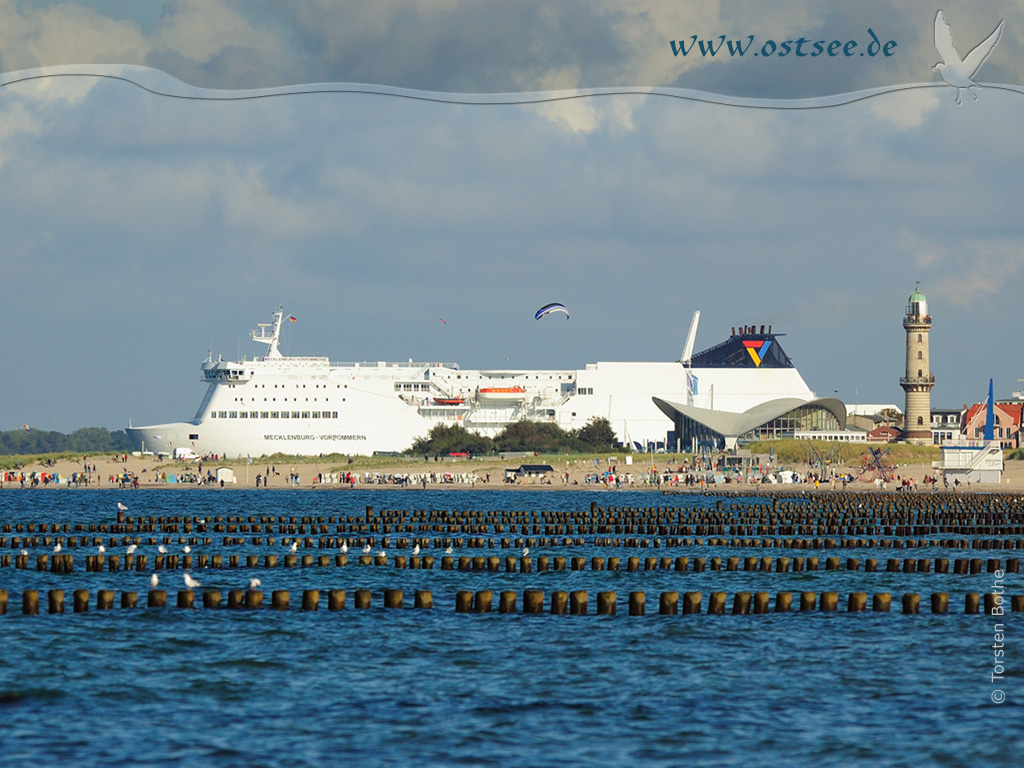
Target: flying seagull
x,y
958,72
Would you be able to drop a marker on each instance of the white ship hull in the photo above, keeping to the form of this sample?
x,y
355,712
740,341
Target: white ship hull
x,y
310,406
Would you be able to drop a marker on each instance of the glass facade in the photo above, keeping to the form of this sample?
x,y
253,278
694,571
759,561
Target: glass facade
x,y
812,418
806,418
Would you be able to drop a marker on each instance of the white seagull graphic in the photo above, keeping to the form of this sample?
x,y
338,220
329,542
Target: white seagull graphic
x,y
958,72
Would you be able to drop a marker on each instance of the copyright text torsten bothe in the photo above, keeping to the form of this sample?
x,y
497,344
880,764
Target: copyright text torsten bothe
x,y
998,695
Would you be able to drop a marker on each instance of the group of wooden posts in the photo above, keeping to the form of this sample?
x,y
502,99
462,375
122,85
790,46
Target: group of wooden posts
x,y
573,603
778,522
64,563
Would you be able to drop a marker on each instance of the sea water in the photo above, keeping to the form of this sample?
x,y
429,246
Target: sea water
x,y
384,687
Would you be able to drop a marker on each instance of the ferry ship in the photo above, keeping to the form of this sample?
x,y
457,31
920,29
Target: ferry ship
x,y
309,405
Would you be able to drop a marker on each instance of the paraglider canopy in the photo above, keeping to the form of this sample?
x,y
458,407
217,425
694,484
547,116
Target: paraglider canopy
x,y
547,309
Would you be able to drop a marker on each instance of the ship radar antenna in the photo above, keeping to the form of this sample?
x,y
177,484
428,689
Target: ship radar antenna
x,y
270,339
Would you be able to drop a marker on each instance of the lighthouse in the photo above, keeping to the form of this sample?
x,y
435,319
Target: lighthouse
x,y
919,380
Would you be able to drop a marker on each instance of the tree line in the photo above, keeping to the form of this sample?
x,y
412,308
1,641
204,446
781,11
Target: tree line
x,y
85,440
527,436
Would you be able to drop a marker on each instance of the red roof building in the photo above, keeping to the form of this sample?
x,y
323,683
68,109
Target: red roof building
x,y
884,433
1006,428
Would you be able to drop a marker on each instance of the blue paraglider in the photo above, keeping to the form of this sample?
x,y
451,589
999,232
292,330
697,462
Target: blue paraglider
x,y
547,309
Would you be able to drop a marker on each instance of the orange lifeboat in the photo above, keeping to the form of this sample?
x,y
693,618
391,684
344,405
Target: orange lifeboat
x,y
449,400
501,394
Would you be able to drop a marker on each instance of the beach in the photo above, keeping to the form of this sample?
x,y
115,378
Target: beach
x,y
330,473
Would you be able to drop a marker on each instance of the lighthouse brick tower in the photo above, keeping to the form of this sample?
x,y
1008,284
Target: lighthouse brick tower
x,y
919,380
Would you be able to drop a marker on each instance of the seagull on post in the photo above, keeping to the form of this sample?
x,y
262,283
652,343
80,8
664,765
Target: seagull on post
x,y
154,581
162,549
344,547
254,583
190,582
959,73
294,547
131,549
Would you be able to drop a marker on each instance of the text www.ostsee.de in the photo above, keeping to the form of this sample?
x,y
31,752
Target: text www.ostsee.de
x,y
799,48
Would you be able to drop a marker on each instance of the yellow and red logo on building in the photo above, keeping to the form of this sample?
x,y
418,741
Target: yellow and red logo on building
x,y
758,350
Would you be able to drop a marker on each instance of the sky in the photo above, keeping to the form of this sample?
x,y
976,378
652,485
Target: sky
x,y
142,231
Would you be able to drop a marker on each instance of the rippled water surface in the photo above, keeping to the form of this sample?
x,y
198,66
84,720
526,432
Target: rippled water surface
x,y
384,687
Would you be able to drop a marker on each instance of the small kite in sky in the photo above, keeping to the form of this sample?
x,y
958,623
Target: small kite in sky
x,y
442,320
547,309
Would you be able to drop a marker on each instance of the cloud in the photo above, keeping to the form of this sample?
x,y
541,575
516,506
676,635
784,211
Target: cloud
x,y
199,30
907,109
924,253
578,115
16,121
981,272
164,219
68,33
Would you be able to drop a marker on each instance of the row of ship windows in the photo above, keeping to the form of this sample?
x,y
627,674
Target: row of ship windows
x,y
399,387
297,386
273,414
519,376
283,399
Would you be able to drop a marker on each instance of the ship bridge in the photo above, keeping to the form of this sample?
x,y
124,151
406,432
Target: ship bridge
x,y
224,371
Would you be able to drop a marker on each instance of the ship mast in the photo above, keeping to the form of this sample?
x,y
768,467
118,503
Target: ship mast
x,y
270,339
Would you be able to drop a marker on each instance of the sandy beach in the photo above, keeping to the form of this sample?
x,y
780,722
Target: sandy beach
x,y
485,473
